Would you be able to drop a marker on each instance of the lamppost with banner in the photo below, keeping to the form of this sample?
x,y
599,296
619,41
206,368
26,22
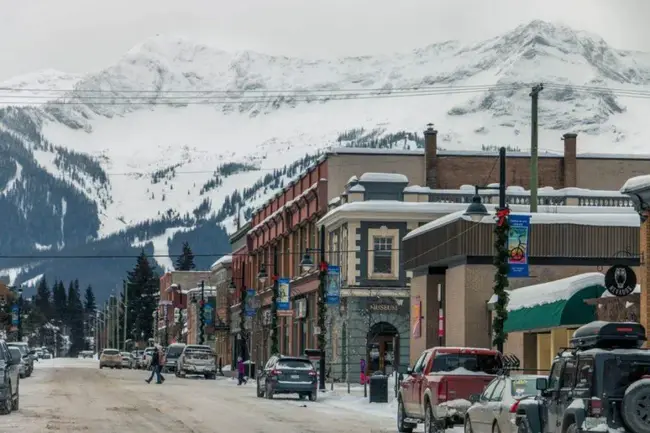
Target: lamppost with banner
x,y
16,307
262,277
165,304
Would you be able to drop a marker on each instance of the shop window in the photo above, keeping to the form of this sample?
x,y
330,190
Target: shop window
x,y
383,257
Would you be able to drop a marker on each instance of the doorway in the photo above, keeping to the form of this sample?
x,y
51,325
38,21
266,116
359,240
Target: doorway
x,y
382,350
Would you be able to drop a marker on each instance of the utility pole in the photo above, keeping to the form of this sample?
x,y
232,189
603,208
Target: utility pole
x,y
117,323
126,303
534,182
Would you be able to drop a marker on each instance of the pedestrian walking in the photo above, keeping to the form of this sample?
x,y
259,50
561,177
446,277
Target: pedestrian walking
x,y
156,366
240,371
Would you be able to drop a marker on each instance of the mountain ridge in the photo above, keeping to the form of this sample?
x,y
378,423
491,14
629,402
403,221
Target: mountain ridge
x,y
173,139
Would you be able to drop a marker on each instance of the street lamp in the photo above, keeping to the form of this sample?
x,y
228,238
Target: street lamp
x,y
307,264
201,313
262,276
476,211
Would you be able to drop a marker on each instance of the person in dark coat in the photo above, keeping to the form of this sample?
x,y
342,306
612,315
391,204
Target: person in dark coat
x,y
156,366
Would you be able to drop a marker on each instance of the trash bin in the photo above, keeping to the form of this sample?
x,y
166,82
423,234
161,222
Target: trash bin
x,y
378,388
253,372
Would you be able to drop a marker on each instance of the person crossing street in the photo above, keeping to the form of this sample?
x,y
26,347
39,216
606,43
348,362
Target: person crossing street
x,y
156,366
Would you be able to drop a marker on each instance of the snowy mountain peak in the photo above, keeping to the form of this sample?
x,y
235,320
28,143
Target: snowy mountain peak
x,y
36,87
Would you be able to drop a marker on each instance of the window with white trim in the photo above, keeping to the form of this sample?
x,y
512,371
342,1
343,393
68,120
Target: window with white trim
x,y
383,255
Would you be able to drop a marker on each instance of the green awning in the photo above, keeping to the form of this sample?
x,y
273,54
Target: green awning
x,y
572,311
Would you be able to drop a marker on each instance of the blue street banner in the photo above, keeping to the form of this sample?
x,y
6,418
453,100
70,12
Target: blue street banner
x,y
333,288
15,315
518,245
208,314
250,303
284,295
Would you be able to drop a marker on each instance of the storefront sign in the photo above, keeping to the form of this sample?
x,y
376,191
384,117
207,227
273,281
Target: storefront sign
x,y
620,280
518,245
416,318
283,302
333,288
387,305
250,303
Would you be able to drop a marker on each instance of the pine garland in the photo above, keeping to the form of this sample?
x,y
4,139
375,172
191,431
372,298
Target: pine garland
x,y
242,319
322,310
500,283
275,345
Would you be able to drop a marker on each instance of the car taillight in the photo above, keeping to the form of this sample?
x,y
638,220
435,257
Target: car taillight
x,y
275,372
595,408
513,408
312,373
442,391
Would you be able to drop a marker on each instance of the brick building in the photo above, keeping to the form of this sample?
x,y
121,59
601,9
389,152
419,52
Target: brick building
x,y
242,276
221,279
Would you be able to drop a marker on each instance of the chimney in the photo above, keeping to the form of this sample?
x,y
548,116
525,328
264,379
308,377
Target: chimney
x,y
570,163
430,156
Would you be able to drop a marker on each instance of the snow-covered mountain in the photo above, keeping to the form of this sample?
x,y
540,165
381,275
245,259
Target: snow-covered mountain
x,y
167,142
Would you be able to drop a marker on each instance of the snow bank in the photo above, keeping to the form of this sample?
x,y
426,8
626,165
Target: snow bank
x,y
636,183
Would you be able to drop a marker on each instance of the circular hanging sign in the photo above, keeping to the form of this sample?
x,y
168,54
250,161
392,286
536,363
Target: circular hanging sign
x,y
620,280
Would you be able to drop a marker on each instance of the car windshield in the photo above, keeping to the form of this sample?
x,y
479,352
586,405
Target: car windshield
x,y
174,351
489,364
621,373
294,364
111,352
524,386
125,354
148,351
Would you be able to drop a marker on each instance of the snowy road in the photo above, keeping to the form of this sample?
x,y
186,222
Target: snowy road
x,y
71,395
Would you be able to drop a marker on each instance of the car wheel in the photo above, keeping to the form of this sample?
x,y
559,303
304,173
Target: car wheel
x,y
5,406
431,425
635,405
573,428
313,396
402,427
467,427
260,392
15,404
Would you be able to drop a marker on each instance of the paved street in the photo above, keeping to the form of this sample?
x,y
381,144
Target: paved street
x,y
70,395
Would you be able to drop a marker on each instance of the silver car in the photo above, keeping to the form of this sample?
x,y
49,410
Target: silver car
x,y
494,410
26,362
197,360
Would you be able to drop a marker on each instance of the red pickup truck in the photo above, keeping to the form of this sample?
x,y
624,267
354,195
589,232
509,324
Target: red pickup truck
x,y
436,390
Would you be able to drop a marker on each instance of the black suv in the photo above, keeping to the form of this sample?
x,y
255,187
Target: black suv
x,y
9,378
601,382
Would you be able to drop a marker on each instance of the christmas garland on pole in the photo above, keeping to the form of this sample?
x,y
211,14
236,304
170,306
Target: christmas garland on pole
x,y
275,346
500,278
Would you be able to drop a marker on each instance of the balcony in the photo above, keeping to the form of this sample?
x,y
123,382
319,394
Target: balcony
x,y
516,195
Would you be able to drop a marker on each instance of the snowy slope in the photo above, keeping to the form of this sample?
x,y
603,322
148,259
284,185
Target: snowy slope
x,y
172,102
36,88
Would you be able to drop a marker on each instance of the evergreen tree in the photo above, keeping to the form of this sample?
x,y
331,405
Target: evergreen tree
x,y
59,302
75,319
90,303
43,302
185,262
143,285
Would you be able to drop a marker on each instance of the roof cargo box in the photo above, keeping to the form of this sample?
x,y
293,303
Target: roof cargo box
x,y
609,335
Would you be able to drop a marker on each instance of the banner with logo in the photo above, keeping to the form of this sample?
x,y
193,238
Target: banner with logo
x,y
333,288
15,315
284,295
518,245
208,314
250,303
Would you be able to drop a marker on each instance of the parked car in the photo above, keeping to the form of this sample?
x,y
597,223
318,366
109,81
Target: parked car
x,y
111,358
46,354
137,358
601,383
10,378
146,357
437,388
26,362
127,360
288,375
172,353
86,354
197,360
494,410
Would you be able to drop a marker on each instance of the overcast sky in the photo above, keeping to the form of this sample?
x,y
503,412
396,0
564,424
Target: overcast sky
x,y
86,35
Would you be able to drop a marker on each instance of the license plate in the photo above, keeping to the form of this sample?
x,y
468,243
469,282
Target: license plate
x,y
295,376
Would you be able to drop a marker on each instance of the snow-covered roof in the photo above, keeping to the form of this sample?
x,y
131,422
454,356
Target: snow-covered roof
x,y
372,151
207,291
223,260
285,206
357,188
547,293
515,190
353,179
636,183
611,216
384,177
